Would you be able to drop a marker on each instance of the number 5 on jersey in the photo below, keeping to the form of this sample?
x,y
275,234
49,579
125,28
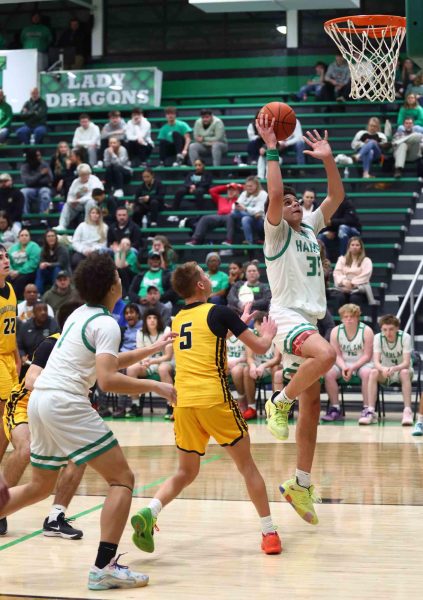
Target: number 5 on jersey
x,y
185,337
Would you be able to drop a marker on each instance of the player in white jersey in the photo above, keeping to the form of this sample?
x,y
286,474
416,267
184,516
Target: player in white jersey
x,y
296,279
392,364
353,342
64,426
237,361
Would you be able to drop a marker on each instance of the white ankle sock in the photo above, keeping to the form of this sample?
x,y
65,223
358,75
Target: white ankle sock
x,y
282,397
267,525
55,511
303,478
155,506
337,406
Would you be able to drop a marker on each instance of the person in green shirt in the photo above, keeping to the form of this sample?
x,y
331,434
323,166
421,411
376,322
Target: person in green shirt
x,y
24,260
6,116
219,279
411,109
36,36
174,140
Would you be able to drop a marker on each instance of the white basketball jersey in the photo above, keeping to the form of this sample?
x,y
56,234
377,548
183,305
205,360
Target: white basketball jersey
x,y
259,359
352,349
235,348
392,354
294,269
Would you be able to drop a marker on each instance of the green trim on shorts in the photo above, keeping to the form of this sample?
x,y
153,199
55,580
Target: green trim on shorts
x,y
96,453
47,467
91,445
288,239
84,327
54,458
295,332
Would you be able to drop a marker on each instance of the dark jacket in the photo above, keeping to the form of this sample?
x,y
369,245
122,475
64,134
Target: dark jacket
x,y
34,112
58,258
30,335
33,178
262,296
344,215
155,192
204,183
12,201
55,299
131,231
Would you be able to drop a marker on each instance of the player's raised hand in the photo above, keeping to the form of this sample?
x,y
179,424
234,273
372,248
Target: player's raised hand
x,y
265,129
320,147
248,316
268,327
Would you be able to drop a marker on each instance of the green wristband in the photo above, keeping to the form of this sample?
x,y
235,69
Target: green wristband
x,y
272,154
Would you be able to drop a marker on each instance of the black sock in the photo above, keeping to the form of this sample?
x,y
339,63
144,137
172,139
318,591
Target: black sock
x,y
106,551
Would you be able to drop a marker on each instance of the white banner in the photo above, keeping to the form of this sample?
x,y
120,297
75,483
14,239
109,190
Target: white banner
x,y
18,76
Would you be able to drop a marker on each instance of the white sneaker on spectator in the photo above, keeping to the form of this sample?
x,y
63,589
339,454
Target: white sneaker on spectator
x,y
368,417
182,223
118,193
407,416
173,219
99,165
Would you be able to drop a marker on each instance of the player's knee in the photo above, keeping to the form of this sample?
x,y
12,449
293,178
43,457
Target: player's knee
x,y
327,357
374,373
404,374
188,474
24,453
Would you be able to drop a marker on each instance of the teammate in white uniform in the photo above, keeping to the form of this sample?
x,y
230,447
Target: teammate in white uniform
x,y
64,425
237,361
353,342
392,364
296,281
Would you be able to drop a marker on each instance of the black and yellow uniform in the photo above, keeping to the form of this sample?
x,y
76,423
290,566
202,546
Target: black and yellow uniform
x,y
8,313
205,406
16,409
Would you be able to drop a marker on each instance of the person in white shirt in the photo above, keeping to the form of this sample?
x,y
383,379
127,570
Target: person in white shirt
x,y
90,236
80,193
87,135
26,307
294,142
138,138
248,210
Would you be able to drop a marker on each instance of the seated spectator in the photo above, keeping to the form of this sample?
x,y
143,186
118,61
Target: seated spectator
x,y
123,227
236,273
115,127
352,275
224,207
237,361
219,279
24,258
118,167
90,236
152,301
406,144
149,199
353,342
255,143
410,109
74,38
404,76
174,140
37,36
248,210
34,114
326,324
155,275
6,116
53,258
126,259
26,307
8,236
391,365
294,142
196,183
35,330
37,179
343,224
138,136
415,87
11,200
209,138
308,201
168,256
87,135
250,290
367,144
313,85
337,81
61,167
80,193
106,203
78,156
61,292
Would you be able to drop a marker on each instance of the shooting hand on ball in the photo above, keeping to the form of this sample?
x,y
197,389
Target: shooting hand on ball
x,y
266,131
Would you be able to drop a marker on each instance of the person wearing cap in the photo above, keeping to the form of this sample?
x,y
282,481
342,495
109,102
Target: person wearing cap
x,y
11,200
61,292
6,116
26,307
219,279
224,207
80,193
153,301
154,275
210,138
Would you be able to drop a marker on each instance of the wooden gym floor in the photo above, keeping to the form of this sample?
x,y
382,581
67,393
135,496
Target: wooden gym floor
x,y
367,545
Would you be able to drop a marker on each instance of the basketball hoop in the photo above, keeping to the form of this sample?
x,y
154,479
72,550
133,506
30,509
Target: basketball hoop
x,y
370,44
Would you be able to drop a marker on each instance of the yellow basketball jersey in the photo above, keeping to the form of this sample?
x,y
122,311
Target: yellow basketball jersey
x,y
8,313
200,358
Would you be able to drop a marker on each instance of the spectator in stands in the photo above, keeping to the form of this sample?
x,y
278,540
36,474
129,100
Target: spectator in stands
x,y
24,259
353,342
35,330
404,76
138,136
149,199
416,87
26,307
248,210
168,256
118,167
123,227
236,272
126,259
53,258
37,36
367,144
410,109
219,279
313,85
255,143
11,200
87,135
294,142
34,113
153,301
78,156
196,183
106,203
8,236
75,38
406,144
115,127
174,139
90,236
343,224
6,116
61,167
337,81
154,275
250,290
61,292
37,179
80,193
326,324
224,207
352,275
209,138
308,201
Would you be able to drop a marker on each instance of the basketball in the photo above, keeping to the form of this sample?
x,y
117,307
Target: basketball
x,y
285,119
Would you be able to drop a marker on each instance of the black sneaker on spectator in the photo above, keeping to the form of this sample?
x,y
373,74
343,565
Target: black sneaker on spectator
x,y
61,528
3,526
104,412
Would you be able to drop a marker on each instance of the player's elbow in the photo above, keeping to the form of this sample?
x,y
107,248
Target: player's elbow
x,y
105,382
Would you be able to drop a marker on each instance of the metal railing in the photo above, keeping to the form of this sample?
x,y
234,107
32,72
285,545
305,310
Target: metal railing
x,y
414,304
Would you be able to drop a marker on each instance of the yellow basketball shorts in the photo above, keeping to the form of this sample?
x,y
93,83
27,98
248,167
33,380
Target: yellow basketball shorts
x,y
8,375
194,426
15,410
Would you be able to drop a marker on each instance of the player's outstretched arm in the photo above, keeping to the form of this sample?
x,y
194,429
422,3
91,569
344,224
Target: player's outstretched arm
x,y
274,175
321,150
126,359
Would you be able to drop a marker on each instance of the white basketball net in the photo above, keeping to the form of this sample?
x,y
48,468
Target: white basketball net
x,y
372,60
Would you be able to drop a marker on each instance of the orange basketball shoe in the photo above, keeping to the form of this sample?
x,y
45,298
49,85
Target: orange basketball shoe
x,y
271,543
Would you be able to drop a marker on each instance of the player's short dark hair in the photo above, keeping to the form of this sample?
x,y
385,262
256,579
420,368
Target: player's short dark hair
x,y
3,248
65,310
185,278
94,276
287,190
389,320
97,192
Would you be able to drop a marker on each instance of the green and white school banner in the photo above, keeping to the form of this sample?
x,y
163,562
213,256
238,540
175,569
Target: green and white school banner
x,y
102,89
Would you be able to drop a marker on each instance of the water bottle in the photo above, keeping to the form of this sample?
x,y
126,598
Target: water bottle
x,y
32,139
144,222
346,172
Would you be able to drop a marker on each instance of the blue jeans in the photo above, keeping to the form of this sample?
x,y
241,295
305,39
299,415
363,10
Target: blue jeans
x,y
309,88
24,134
368,153
250,225
36,199
45,278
